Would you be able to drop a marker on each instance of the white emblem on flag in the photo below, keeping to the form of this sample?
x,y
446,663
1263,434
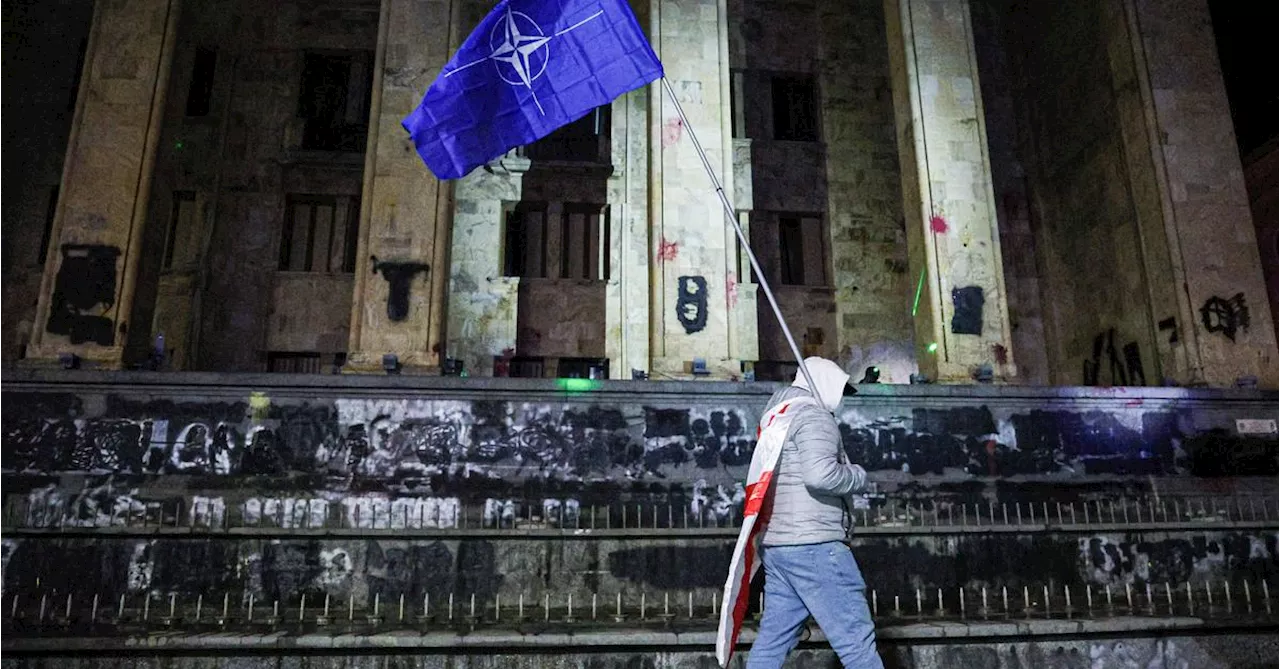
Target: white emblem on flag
x,y
519,49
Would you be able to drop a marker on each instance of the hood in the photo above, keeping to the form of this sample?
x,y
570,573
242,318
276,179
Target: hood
x,y
830,378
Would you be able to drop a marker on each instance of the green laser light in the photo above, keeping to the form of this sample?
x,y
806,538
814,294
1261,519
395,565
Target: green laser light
x,y
578,385
932,347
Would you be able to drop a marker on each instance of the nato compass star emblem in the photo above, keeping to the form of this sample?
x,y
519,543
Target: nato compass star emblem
x,y
520,50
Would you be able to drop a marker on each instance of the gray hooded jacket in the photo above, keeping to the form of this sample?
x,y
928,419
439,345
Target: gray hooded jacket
x,y
805,505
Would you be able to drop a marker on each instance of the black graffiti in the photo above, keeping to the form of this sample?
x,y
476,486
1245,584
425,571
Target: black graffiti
x,y
691,303
967,318
1225,316
1221,453
494,440
672,567
1175,560
399,276
1093,367
84,288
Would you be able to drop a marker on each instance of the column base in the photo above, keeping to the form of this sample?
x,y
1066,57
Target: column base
x,y
675,369
415,364
955,374
88,356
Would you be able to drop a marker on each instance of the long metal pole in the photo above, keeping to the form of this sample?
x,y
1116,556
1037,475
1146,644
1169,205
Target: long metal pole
x,y
737,228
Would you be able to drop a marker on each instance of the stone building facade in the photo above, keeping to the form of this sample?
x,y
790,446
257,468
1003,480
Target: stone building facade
x,y
1046,190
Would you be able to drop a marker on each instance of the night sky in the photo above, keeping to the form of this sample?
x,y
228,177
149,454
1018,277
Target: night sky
x,y
1247,45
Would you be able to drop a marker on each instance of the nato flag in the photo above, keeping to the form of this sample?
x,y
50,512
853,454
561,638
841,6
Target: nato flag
x,y
530,67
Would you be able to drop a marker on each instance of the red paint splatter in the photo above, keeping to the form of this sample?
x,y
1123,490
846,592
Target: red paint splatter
x,y
938,224
667,251
672,131
1001,354
731,289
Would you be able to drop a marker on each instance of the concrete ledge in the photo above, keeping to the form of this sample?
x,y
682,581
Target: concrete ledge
x,y
20,379
544,637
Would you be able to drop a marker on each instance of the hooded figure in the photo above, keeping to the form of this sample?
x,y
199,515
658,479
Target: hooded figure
x,y
809,569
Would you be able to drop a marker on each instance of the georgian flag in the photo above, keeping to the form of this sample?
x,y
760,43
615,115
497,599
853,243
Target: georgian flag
x,y
771,434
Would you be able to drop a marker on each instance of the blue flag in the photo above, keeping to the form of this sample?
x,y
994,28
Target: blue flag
x,y
530,67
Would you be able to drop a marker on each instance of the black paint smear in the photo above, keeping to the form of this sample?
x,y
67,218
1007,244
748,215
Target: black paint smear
x,y
301,431
691,303
399,276
70,565
411,569
672,567
262,456
84,289
959,420
194,567
1173,560
967,317
665,422
1221,453
477,570
899,566
290,568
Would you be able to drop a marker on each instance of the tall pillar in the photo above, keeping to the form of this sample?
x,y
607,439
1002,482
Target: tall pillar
x,y
1209,295
961,313
691,249
398,306
87,290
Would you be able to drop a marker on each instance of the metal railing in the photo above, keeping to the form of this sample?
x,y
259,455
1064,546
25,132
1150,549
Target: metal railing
x,y
416,515
39,612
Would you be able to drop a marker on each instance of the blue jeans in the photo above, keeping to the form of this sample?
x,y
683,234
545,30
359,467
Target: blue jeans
x,y
819,579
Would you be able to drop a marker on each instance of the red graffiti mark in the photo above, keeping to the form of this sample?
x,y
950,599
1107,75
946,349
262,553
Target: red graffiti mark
x,y
1001,354
672,131
731,289
938,224
667,251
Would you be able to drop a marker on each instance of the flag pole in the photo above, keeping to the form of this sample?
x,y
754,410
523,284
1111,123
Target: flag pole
x,y
730,214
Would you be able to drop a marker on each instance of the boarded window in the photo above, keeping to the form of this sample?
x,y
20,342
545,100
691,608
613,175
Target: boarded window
x,y
200,92
305,362
180,246
319,234
581,228
802,256
795,109
556,241
335,100
737,104
526,241
586,140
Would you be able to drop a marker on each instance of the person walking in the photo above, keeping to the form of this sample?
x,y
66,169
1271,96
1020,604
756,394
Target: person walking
x,y
809,567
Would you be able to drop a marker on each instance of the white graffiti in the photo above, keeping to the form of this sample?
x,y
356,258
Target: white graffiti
x,y
336,567
208,512
719,501
289,513
378,512
141,566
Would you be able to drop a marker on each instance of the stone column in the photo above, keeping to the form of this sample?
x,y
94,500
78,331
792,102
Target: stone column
x,y
402,264
961,316
689,317
1208,295
87,290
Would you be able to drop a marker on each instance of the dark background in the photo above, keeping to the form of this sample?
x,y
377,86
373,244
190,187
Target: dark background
x,y
1247,39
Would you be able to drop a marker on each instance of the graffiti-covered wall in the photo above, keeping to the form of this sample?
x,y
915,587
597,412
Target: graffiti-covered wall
x,y
278,486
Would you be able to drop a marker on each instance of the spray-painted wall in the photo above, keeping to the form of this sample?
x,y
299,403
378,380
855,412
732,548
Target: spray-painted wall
x,y
381,456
